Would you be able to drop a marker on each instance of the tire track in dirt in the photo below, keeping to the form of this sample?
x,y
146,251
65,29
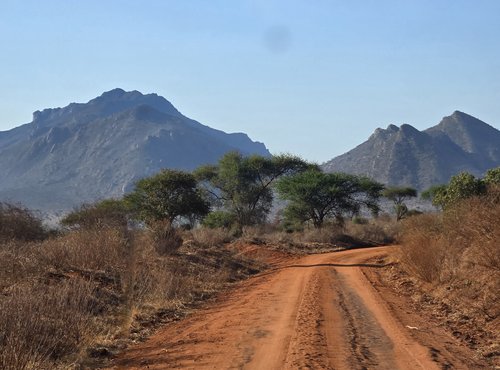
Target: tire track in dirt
x,y
317,312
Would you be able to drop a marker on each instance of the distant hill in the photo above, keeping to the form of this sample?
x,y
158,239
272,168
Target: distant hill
x,y
405,156
84,152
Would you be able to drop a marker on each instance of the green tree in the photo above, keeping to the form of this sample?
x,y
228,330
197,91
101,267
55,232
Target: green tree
x,y
398,195
434,191
492,177
242,185
316,196
168,195
461,186
218,219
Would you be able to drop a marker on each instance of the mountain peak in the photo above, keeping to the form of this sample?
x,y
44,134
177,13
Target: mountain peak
x,y
114,140
118,95
406,156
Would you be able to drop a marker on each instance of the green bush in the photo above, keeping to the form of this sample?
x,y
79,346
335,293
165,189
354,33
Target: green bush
x,y
218,219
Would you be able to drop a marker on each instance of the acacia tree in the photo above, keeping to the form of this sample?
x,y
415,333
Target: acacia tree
x,y
398,195
242,186
316,196
168,195
461,186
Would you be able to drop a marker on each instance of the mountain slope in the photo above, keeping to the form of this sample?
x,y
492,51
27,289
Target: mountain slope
x,y
405,156
84,152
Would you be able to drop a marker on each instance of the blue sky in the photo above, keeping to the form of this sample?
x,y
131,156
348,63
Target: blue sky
x,y
314,78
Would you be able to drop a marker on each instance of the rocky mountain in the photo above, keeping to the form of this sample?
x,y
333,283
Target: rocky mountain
x,y
88,151
406,156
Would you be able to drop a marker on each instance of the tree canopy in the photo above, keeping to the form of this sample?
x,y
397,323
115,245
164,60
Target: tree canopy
x,y
168,195
107,212
316,196
242,185
492,176
398,194
461,186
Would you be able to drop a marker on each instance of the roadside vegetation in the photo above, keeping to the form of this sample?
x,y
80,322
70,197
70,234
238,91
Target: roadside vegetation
x,y
72,299
453,257
118,268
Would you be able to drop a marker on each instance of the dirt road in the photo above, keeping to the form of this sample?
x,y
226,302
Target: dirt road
x,y
317,312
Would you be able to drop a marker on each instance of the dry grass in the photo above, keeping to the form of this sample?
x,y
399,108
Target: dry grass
x,y
164,237
71,299
440,247
456,256
207,238
330,237
380,231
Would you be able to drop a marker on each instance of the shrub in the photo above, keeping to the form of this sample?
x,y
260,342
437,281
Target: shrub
x,y
210,237
103,250
437,247
218,219
106,213
164,237
19,223
423,249
374,231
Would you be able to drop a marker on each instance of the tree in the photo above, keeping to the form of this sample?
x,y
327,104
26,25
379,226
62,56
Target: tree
x,y
168,195
492,177
242,186
398,195
461,186
316,196
434,192
108,212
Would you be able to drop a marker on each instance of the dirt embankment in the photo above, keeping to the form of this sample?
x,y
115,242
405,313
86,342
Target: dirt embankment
x,y
315,312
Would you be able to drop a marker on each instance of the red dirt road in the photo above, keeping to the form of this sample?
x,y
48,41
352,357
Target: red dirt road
x,y
317,312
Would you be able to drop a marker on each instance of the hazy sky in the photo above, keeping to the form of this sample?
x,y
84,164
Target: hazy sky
x,y
314,78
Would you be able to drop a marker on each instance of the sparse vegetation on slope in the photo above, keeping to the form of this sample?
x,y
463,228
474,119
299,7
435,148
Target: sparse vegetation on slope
x,y
455,258
76,298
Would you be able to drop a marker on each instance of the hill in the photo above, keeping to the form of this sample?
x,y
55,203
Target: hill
x,y
88,151
406,156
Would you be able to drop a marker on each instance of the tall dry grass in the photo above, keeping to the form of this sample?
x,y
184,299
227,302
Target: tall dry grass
x,y
65,298
458,254
454,259
439,247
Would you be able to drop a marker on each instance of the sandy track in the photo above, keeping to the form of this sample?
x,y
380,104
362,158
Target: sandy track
x,y
317,312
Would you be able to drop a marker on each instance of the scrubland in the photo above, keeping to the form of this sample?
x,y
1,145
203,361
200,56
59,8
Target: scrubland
x,y
73,298
451,266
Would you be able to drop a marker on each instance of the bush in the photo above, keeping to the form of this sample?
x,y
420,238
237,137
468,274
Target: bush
x,y
165,238
19,223
218,219
464,238
423,251
375,231
104,250
210,237
106,213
